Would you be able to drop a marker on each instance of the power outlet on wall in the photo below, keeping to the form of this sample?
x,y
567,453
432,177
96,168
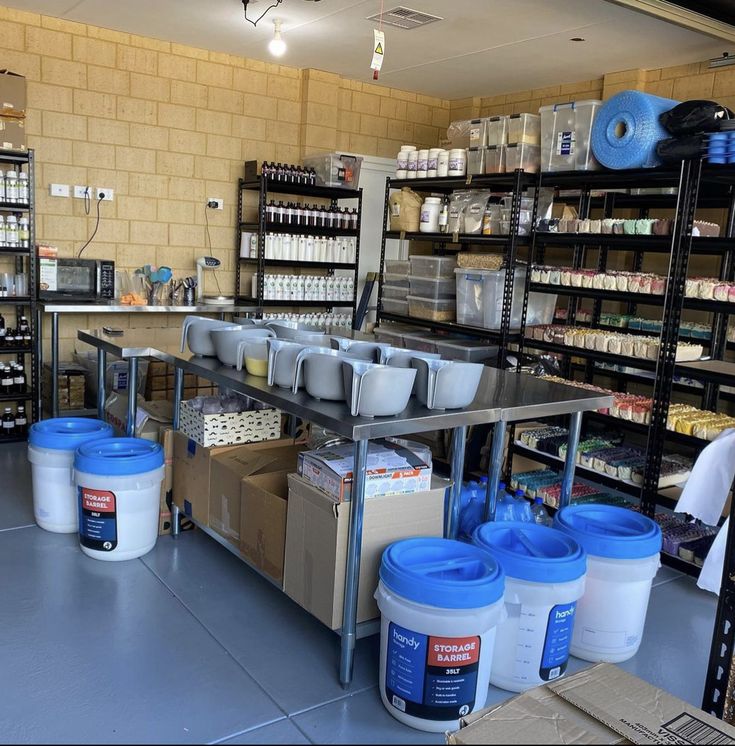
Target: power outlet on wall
x,y
109,193
81,191
219,203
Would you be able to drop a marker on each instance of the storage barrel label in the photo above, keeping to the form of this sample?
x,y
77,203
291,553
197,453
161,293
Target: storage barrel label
x,y
558,639
565,143
97,519
434,678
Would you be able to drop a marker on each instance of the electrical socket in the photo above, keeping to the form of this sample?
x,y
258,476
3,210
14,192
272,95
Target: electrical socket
x,y
109,193
220,203
59,190
80,191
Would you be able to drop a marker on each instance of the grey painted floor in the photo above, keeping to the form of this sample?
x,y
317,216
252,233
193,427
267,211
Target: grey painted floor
x,y
187,645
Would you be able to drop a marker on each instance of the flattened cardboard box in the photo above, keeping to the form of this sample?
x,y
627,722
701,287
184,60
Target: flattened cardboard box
x,y
230,468
316,544
600,705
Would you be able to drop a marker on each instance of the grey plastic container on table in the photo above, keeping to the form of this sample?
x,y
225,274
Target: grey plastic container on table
x,y
467,350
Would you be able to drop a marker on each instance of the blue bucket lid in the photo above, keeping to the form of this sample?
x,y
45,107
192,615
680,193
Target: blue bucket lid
x,y
608,531
117,457
443,573
67,433
529,551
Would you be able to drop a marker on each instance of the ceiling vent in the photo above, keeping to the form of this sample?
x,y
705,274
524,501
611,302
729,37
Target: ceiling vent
x,y
405,18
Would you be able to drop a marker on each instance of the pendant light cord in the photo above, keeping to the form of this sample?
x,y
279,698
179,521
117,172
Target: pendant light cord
x,y
262,15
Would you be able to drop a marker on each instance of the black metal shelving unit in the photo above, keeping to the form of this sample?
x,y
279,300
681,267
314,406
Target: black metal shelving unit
x,y
24,261
262,227
517,183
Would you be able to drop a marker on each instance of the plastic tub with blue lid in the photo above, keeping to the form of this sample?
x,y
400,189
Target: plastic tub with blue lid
x,y
622,560
51,446
119,491
440,601
544,578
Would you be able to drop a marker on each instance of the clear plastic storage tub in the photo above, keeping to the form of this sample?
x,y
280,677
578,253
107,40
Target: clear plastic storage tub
x,y
389,335
495,159
477,133
421,341
565,136
541,309
400,280
497,130
336,170
524,156
430,288
394,291
476,160
398,266
432,267
399,307
468,350
480,297
524,128
430,309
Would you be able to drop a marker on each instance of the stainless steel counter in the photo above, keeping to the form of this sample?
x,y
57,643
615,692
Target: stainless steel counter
x,y
501,398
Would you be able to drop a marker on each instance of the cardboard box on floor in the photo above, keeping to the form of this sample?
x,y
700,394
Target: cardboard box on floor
x,y
228,470
316,544
150,416
166,439
600,705
191,476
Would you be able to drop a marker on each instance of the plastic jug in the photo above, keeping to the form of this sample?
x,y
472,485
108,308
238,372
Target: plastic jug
x,y
521,508
472,508
538,511
505,505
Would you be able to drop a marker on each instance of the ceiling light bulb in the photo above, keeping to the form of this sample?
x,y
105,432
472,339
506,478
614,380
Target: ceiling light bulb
x,y
276,46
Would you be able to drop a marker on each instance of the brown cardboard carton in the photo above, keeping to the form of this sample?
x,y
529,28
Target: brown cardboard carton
x,y
316,544
192,464
228,471
600,705
12,94
263,522
166,439
13,134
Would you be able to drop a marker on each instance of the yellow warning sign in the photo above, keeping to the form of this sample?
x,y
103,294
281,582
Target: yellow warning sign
x,y
378,50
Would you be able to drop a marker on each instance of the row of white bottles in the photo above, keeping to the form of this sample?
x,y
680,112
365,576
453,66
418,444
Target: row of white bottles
x,y
306,288
325,321
288,247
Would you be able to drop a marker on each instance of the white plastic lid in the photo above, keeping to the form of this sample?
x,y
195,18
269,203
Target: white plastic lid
x,y
433,200
408,147
454,152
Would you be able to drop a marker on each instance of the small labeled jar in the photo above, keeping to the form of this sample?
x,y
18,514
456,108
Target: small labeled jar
x,y
457,162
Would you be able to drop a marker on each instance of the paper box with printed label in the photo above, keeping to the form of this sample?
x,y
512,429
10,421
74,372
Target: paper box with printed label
x,y
13,134
192,464
602,704
12,94
391,469
316,544
263,522
228,471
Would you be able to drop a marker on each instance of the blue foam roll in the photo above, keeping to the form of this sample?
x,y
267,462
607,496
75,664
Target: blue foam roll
x,y
626,130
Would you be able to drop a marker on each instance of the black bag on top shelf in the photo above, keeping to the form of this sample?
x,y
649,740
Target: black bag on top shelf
x,y
694,116
677,149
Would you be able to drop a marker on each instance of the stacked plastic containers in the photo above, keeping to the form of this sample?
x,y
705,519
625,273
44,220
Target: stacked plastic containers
x,y
566,131
622,560
440,604
501,143
395,286
432,289
480,297
545,578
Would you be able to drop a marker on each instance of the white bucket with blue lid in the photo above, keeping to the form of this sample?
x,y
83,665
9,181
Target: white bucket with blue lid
x,y
440,602
119,496
51,447
622,560
544,578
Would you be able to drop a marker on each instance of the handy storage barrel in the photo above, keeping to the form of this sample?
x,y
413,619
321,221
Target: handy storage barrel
x,y
440,602
544,578
622,560
119,492
51,446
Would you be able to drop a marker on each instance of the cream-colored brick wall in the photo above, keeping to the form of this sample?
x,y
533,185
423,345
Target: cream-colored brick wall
x,y
167,126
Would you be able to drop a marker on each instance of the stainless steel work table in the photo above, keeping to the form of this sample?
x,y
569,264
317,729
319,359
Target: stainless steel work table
x,y
501,399
56,308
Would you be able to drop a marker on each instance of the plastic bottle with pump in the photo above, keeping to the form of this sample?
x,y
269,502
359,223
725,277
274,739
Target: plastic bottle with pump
x,y
539,513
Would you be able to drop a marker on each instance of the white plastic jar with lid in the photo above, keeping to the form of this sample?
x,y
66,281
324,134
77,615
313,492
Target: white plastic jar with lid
x,y
402,160
433,162
429,221
11,230
423,164
413,164
442,163
11,186
457,162
23,188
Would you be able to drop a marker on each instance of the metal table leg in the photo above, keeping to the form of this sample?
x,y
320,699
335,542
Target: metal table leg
x,y
101,393
178,395
132,396
495,469
567,480
459,441
352,577
54,364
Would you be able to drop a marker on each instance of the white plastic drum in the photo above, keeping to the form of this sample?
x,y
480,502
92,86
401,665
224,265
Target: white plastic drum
x,y
440,602
622,560
544,578
119,492
51,446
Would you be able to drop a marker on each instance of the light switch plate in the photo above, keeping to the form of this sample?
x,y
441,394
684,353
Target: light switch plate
x,y
59,190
